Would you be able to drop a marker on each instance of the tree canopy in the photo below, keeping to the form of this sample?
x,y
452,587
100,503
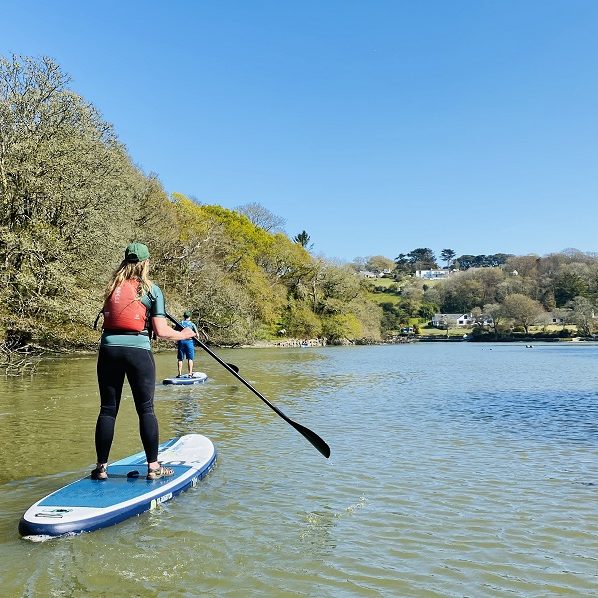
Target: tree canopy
x,y
71,199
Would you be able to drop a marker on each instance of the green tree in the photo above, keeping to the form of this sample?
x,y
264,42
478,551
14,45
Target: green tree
x,y
569,285
582,314
302,238
448,256
422,258
524,265
495,311
341,327
68,194
482,261
427,310
301,322
402,266
379,264
523,310
461,294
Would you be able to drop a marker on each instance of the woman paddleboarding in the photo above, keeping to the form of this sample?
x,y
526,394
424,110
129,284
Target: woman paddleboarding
x,y
133,310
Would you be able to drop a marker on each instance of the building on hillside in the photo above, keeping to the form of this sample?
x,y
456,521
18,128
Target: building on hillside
x,y
556,318
485,321
370,274
443,320
432,274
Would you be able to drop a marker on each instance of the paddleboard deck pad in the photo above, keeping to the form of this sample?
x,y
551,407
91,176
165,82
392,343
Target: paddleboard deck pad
x,y
87,505
186,379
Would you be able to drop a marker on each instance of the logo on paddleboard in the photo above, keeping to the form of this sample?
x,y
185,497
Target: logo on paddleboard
x,y
158,501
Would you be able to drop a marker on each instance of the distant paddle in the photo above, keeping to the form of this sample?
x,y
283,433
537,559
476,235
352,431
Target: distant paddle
x,y
318,442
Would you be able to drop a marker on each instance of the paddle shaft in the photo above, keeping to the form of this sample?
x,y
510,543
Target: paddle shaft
x,y
310,435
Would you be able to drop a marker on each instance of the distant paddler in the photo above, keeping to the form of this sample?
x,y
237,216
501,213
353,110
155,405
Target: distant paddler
x,y
186,348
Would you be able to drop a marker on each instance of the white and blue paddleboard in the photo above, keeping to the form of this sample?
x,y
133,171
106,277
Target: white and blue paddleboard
x,y
186,379
87,505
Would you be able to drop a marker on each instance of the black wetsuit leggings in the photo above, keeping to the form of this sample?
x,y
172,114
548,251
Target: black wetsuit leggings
x,y
139,367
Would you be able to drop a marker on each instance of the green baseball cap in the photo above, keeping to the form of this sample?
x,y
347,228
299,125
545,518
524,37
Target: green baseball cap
x,y
136,252
187,314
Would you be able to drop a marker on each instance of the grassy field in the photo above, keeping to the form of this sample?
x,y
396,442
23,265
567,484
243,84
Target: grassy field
x,y
388,296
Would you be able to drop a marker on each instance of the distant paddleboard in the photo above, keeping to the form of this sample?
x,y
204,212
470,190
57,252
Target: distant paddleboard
x,y
185,379
87,505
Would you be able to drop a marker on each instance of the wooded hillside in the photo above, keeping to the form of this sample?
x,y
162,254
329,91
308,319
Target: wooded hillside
x,y
71,199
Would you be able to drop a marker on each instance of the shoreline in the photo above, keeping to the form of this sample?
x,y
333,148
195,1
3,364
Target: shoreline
x,y
44,353
287,343
297,343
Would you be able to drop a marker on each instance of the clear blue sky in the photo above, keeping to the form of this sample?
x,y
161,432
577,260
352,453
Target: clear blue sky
x,y
377,126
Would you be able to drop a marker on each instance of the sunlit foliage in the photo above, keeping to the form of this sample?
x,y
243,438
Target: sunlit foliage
x,y
71,199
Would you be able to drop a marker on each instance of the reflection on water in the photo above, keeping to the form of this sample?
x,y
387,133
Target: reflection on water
x,y
456,470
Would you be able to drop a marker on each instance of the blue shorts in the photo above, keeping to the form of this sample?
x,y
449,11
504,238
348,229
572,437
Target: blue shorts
x,y
185,350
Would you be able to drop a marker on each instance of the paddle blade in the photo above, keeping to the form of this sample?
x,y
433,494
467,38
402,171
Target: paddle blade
x,y
316,441
310,435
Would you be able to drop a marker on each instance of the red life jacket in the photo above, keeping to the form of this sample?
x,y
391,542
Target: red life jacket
x,y
123,310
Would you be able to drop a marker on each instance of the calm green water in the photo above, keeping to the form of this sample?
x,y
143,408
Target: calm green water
x,y
456,470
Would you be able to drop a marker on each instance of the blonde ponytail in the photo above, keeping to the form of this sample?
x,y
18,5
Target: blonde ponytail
x,y
130,271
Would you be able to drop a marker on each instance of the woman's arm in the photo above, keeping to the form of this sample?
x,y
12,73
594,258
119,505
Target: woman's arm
x,y
159,324
163,330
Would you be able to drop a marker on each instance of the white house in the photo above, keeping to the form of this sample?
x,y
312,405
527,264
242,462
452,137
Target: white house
x,y
555,318
440,320
370,274
432,274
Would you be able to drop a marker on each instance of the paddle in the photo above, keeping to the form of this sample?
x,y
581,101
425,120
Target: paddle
x,y
318,442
